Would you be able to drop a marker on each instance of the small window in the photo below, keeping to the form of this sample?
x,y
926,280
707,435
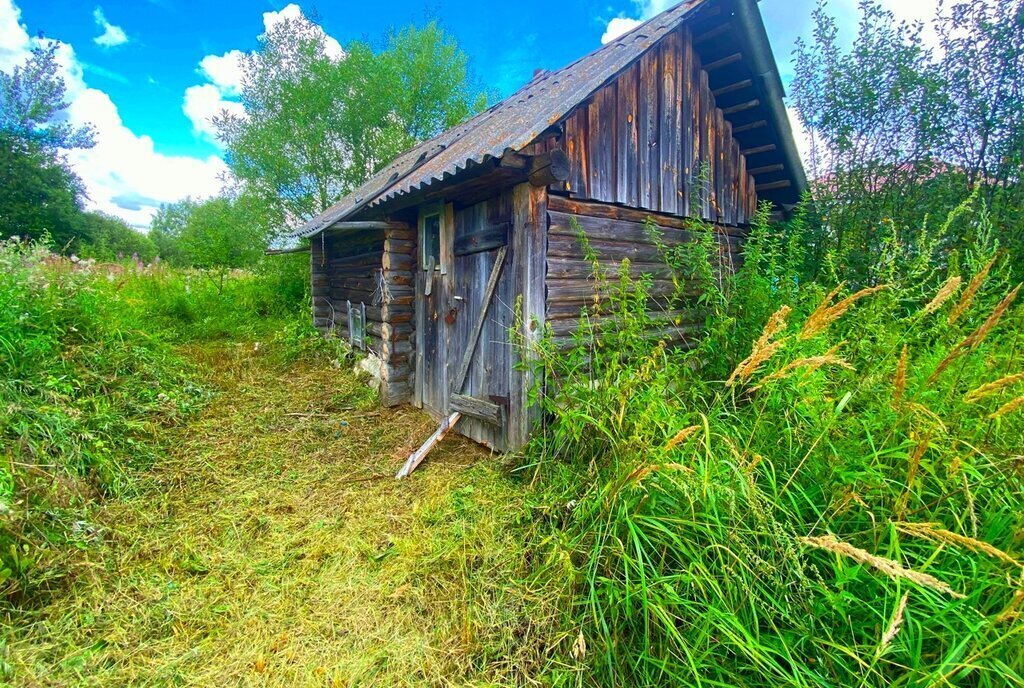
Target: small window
x,y
357,325
430,240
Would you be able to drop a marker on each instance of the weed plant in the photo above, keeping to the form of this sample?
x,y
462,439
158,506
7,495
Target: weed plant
x,y
823,489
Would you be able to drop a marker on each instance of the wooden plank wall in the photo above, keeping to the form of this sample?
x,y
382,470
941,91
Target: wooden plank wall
x,y
643,140
614,234
346,267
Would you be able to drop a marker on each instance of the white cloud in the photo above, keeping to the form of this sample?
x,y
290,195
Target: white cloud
x,y
293,12
203,103
123,174
112,35
644,10
224,71
224,74
618,27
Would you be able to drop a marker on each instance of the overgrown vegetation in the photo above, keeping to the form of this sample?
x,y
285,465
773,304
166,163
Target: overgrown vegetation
x,y
89,377
825,490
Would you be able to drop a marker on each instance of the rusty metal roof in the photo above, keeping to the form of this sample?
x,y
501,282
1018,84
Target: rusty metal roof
x,y
512,124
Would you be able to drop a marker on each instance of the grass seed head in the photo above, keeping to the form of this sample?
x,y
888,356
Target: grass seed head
x,y
826,313
894,624
972,290
1008,408
936,533
899,381
978,336
945,292
681,436
990,388
892,569
764,348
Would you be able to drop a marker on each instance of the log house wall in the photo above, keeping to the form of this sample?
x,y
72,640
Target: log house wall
x,y
614,234
346,267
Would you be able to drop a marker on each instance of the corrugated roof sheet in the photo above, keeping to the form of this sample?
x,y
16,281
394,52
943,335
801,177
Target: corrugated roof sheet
x,y
510,125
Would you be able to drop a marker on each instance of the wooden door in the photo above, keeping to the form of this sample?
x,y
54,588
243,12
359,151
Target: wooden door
x,y
484,297
464,313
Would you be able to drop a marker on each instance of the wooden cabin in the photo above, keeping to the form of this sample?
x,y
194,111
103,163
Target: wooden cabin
x,y
424,266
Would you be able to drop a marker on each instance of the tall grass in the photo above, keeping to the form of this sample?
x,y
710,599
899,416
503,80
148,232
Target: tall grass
x,y
826,490
89,373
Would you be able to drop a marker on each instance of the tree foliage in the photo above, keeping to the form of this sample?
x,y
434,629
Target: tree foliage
x,y
38,194
32,104
317,124
902,130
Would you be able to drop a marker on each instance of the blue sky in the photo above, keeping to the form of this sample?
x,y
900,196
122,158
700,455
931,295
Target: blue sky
x,y
148,73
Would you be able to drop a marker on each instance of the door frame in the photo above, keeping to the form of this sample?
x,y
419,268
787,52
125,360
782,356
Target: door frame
x,y
441,287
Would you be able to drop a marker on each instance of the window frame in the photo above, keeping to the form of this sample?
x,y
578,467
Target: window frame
x,y
426,212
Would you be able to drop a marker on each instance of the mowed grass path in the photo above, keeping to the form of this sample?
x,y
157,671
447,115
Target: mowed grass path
x,y
274,548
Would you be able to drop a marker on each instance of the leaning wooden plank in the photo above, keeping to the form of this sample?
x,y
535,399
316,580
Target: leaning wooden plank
x,y
416,458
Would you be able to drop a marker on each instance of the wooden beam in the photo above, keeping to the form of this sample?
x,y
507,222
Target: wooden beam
x,y
740,107
712,33
766,169
738,86
363,225
725,61
758,149
748,127
284,251
476,408
549,168
416,458
785,183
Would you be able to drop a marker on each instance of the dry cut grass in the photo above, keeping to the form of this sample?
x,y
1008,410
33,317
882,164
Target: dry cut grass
x,y
274,548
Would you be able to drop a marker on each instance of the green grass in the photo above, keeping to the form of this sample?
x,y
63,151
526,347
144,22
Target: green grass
x,y
272,546
760,524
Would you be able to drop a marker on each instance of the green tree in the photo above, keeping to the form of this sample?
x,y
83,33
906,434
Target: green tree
x,y
317,124
902,132
166,229
224,234
106,237
38,195
33,105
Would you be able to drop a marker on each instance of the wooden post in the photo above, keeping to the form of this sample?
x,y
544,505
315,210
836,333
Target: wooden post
x,y
529,254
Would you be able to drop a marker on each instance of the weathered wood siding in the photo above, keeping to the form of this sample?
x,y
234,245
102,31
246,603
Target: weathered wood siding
x,y
653,138
515,217
614,234
350,266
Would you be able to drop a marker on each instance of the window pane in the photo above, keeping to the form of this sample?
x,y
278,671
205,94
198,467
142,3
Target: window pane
x,y
432,240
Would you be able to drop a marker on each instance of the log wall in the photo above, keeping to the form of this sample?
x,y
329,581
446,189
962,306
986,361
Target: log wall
x,y
645,139
614,234
352,266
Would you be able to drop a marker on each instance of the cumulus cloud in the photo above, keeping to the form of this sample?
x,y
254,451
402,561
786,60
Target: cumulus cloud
x,y
123,174
203,103
643,10
112,35
223,75
224,71
293,12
